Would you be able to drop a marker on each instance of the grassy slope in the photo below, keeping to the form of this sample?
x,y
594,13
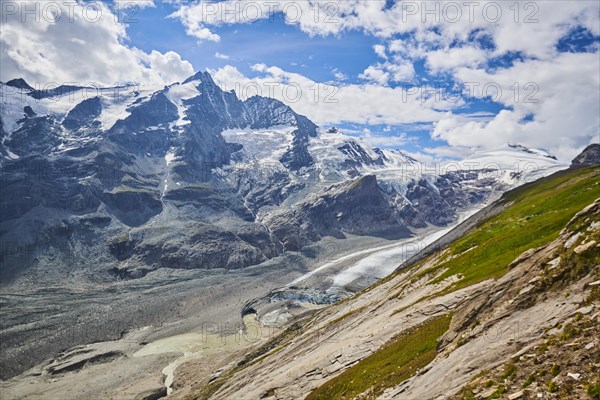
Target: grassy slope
x,y
560,350
536,217
539,211
391,365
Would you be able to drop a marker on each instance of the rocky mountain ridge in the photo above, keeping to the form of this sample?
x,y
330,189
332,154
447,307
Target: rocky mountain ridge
x,y
190,176
589,156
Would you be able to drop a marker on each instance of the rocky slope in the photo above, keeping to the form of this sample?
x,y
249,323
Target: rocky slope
x,y
563,363
357,207
95,179
589,156
526,271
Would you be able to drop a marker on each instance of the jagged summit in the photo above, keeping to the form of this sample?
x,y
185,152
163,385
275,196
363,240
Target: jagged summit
x,y
19,83
589,156
202,76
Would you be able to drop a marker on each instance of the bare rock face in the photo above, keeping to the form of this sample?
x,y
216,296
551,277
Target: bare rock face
x,y
148,175
357,207
154,166
589,156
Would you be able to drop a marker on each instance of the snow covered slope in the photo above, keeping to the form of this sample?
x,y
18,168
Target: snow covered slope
x,y
514,164
228,182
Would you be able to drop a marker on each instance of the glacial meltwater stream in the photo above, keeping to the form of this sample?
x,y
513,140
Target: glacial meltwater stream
x,y
197,345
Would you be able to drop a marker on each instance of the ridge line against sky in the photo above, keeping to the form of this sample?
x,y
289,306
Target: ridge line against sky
x,y
438,79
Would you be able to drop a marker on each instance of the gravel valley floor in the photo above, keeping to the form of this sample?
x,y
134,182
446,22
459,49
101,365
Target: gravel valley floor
x,y
124,340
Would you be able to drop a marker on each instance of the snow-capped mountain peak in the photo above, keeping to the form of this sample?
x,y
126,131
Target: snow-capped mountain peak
x,y
522,148
249,177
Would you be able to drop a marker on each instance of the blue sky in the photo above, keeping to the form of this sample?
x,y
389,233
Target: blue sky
x,y
270,41
385,60
273,42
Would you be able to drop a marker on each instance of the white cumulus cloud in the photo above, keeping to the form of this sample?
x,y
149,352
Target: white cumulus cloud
x,y
550,103
85,45
327,104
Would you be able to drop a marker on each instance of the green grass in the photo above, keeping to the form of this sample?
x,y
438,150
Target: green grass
x,y
529,381
553,387
594,391
510,371
535,217
391,365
